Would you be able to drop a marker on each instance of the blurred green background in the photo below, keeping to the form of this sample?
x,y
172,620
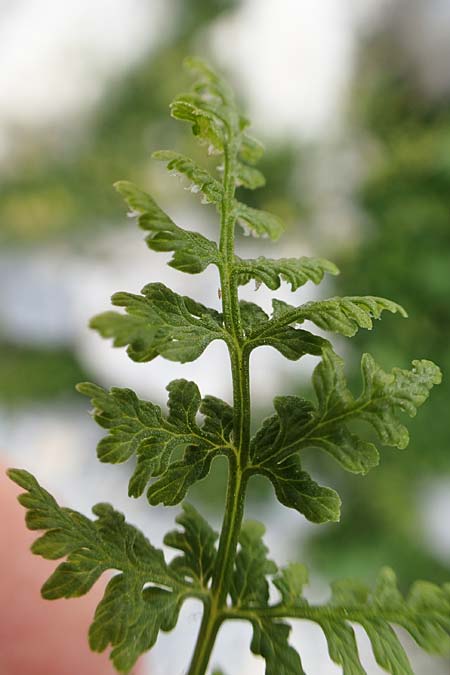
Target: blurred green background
x,y
370,189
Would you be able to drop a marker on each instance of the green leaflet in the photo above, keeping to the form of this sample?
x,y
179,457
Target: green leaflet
x,y
251,150
91,546
290,581
384,396
249,177
252,316
270,640
293,486
249,585
192,251
212,112
338,315
298,424
201,180
219,418
207,119
250,588
258,223
197,543
295,271
215,119
210,109
282,430
130,616
293,343
130,619
401,390
296,489
426,610
342,646
172,486
138,428
130,330
160,321
208,81
424,614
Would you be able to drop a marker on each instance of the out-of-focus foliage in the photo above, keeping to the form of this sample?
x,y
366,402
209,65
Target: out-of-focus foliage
x,y
29,372
404,253
60,186
54,186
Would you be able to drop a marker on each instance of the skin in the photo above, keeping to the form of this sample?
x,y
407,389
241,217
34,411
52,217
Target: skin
x,y
39,637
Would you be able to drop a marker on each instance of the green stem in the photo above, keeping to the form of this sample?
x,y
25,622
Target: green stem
x,y
231,526
237,476
317,613
205,640
213,609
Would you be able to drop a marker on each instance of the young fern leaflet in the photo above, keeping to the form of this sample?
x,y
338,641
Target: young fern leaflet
x,y
230,573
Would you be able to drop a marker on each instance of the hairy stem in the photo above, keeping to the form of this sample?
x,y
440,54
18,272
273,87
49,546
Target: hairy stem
x,y
319,613
237,478
234,511
205,640
213,614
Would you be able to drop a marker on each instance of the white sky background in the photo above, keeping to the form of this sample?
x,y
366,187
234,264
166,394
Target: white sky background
x,y
294,58
56,55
